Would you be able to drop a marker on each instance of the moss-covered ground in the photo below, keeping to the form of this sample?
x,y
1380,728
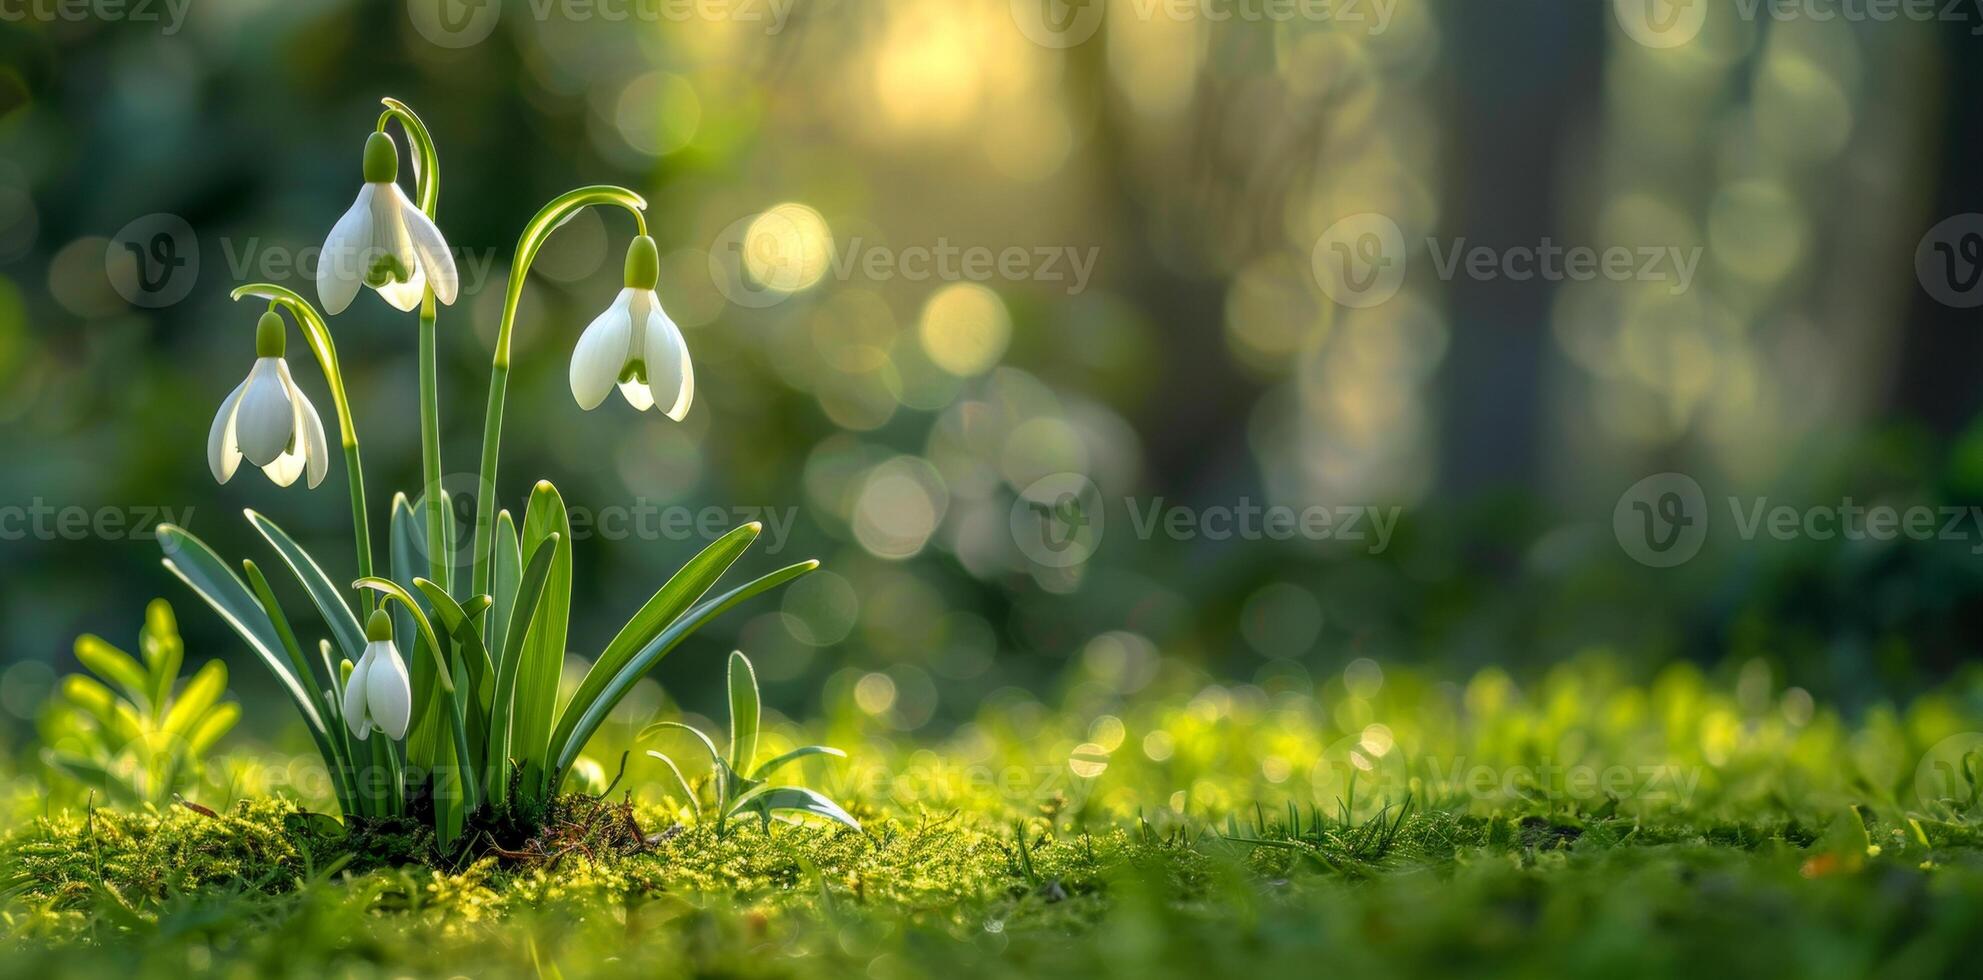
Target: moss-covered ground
x,y
1749,832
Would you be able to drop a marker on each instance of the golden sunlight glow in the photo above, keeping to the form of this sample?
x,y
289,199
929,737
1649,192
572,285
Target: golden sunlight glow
x,y
788,248
964,328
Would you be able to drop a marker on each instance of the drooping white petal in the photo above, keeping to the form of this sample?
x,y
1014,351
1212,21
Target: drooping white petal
x,y
640,304
388,691
670,376
341,265
264,422
431,249
355,717
285,469
637,394
223,454
310,439
405,296
391,241
602,353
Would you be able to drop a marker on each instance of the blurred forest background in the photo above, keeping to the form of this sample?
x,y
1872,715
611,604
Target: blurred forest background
x,y
1200,363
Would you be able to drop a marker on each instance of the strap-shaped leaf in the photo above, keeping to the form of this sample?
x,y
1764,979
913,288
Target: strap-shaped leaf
x,y
688,792
772,799
529,592
88,695
195,564
329,599
459,624
407,558
675,596
259,584
765,771
508,573
744,711
594,714
200,693
212,726
164,653
535,701
115,666
335,745
715,757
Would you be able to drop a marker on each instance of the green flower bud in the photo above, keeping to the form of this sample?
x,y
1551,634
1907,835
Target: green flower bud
x,y
269,339
381,159
379,627
643,263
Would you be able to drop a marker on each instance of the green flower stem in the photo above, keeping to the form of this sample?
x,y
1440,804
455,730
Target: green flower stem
x,y
426,163
439,566
427,194
554,214
317,333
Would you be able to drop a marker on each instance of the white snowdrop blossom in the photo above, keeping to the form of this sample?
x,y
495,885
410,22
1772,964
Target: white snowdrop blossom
x,y
268,419
384,241
378,694
635,345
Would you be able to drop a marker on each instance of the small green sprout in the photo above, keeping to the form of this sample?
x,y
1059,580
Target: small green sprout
x,y
737,793
130,735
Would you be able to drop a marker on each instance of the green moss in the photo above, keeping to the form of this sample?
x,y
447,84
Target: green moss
x,y
263,889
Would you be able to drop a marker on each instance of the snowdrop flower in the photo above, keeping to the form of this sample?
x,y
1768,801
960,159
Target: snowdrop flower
x,y
268,419
378,694
384,242
634,344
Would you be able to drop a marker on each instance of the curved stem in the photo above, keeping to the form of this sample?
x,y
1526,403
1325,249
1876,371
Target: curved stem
x,y
549,219
427,193
439,562
426,163
317,333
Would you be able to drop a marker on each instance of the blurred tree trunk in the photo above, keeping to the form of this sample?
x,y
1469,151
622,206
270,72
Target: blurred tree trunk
x,y
1941,346
1525,76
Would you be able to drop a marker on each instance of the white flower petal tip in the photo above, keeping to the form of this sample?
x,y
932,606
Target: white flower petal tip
x,y
355,716
379,695
635,346
270,422
385,242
